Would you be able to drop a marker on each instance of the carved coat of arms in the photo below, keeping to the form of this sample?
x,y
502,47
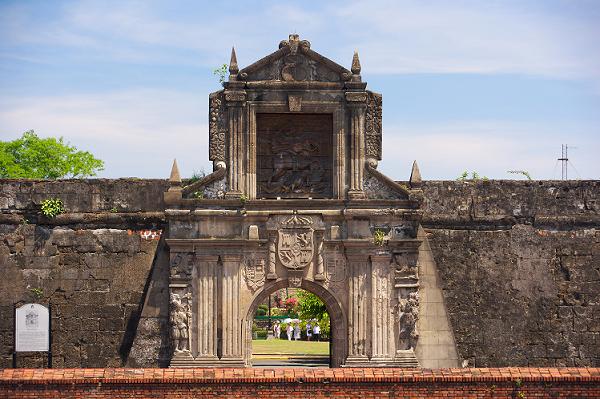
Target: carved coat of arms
x,y
295,244
254,272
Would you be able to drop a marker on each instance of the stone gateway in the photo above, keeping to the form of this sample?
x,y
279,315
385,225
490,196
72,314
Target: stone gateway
x,y
295,140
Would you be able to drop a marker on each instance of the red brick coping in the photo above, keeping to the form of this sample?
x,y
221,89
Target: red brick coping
x,y
295,375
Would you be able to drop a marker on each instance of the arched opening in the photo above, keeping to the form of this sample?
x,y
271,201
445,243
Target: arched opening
x,y
338,326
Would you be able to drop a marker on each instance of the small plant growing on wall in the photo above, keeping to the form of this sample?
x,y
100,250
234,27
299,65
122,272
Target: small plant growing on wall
x,y
221,72
378,237
37,293
52,207
520,172
243,198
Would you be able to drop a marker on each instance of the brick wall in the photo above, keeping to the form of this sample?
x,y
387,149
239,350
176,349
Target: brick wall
x,y
301,383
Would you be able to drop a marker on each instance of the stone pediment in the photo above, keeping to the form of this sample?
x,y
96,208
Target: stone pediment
x,y
295,62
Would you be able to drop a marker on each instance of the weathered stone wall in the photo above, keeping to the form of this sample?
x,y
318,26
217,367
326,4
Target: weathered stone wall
x,y
91,263
518,263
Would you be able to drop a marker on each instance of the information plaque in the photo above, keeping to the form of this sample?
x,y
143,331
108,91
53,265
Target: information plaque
x,y
32,328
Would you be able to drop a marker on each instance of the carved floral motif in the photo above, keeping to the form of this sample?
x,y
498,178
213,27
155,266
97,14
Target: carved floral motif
x,y
373,125
217,128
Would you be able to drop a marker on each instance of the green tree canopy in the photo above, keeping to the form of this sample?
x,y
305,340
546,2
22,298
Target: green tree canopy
x,y
310,306
45,158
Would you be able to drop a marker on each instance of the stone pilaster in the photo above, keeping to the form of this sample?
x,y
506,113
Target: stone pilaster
x,y
319,264
357,107
381,320
236,146
206,306
271,273
358,313
231,320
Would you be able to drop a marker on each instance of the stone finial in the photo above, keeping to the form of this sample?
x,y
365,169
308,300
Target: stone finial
x,y
233,64
175,178
415,175
355,64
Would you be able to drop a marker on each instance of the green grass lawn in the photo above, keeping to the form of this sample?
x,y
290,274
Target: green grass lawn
x,y
285,347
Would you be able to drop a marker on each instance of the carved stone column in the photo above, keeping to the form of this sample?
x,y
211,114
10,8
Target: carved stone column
x,y
271,271
231,320
206,288
236,146
358,313
381,321
319,264
357,105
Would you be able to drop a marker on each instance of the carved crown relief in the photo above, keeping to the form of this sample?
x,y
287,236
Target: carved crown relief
x,y
295,62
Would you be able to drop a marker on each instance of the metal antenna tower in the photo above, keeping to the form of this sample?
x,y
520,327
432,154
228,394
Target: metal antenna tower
x,y
564,160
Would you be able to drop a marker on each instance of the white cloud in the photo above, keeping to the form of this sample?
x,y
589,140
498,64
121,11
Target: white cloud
x,y
392,36
490,148
481,37
137,131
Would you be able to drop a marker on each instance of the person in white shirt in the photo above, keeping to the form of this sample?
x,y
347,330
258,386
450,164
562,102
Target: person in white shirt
x,y
317,332
309,331
297,332
289,330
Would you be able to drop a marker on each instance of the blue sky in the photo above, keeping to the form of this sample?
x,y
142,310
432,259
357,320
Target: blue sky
x,y
485,86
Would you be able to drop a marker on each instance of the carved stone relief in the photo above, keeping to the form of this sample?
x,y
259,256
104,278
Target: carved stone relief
x,y
376,189
181,320
405,270
181,265
335,269
216,189
295,242
217,127
373,125
407,315
294,155
254,273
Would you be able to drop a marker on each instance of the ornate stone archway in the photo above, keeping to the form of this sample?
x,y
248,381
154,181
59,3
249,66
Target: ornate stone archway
x,y
295,199
339,329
